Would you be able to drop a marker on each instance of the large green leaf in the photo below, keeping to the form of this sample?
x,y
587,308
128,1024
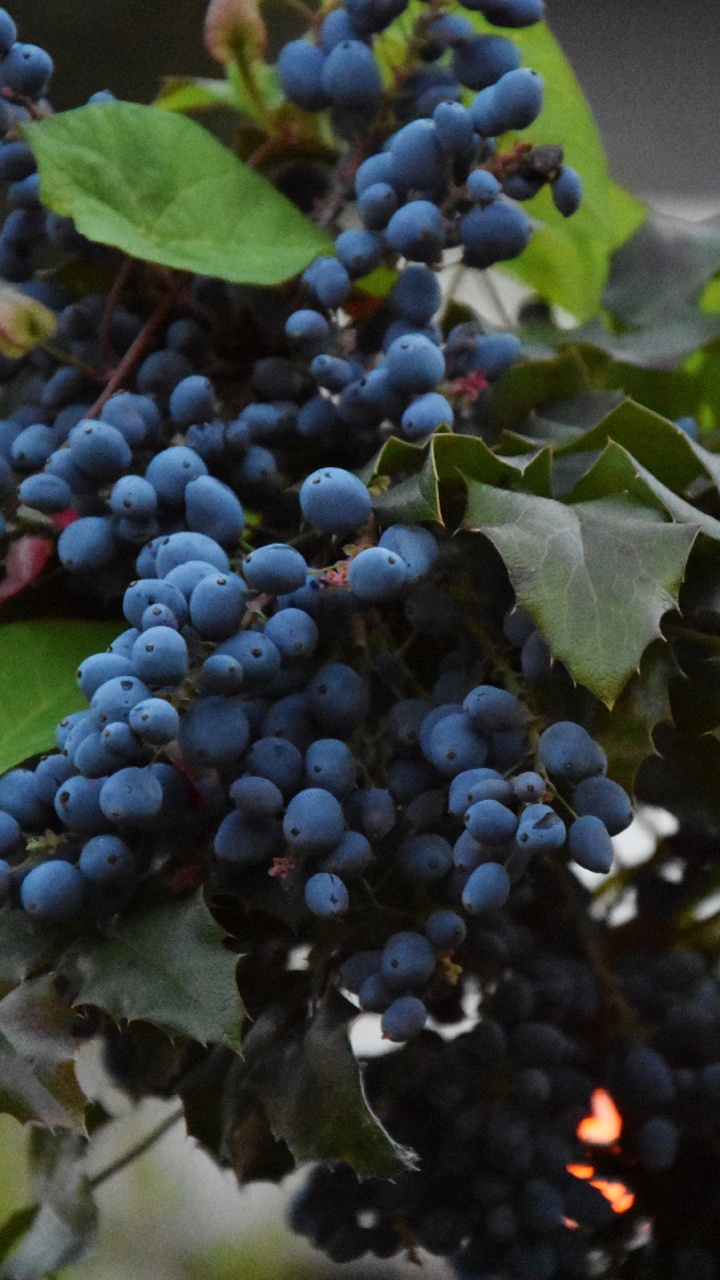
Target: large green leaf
x,y
160,187
163,963
596,577
312,1091
37,680
37,1068
643,704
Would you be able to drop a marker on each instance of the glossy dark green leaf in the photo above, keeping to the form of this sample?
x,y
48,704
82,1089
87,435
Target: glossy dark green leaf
x,y
160,187
643,704
531,384
37,1067
38,661
25,947
163,963
312,1091
596,577
616,471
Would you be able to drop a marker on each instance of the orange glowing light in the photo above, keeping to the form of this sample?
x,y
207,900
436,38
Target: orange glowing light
x,y
616,1193
581,1170
604,1126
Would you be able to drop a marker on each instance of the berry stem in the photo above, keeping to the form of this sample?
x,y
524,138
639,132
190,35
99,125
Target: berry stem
x,y
138,1150
113,299
134,353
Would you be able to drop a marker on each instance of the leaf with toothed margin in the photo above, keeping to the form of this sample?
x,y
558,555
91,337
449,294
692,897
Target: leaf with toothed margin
x,y
596,577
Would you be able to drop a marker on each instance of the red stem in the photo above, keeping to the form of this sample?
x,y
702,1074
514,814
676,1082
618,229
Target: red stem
x,y
135,352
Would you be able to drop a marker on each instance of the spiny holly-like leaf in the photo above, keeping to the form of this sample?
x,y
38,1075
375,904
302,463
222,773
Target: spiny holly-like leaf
x,y
312,1091
160,187
163,963
658,444
596,577
37,1069
616,471
24,948
38,661
643,704
24,323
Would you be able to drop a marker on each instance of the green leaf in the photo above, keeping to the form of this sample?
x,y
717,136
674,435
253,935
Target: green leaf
x,y
643,704
616,471
160,187
24,948
163,963
596,577
195,93
38,661
532,383
658,444
312,1091
37,1068
662,270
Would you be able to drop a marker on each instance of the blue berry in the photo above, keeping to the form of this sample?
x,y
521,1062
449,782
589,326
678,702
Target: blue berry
x,y
494,234
114,700
211,508
214,732
217,605
330,764
256,796
425,859
418,159
145,592
171,471
487,889
294,634
244,840
77,804
589,844
300,70
567,191
414,364
492,710
45,493
377,203
604,799
307,327
10,827
334,500
107,860
416,295
490,822
445,930
192,401
328,281
25,69
454,128
100,451
32,447
178,548
275,569
569,753
425,415
257,655
8,33
377,574
313,821
131,796
158,615
134,498
454,746
481,61
351,76
359,251
221,674
528,787
160,657
326,895
508,13
417,231
155,721
331,372
377,168
483,187
375,995
279,761
404,1019
99,667
53,891
86,545
338,698
351,857
408,961
540,829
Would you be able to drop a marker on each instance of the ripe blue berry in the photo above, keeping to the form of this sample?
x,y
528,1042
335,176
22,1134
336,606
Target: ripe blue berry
x,y
326,895
53,891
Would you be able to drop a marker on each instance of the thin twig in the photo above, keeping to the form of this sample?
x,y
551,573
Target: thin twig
x,y
494,292
135,352
113,299
138,1150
